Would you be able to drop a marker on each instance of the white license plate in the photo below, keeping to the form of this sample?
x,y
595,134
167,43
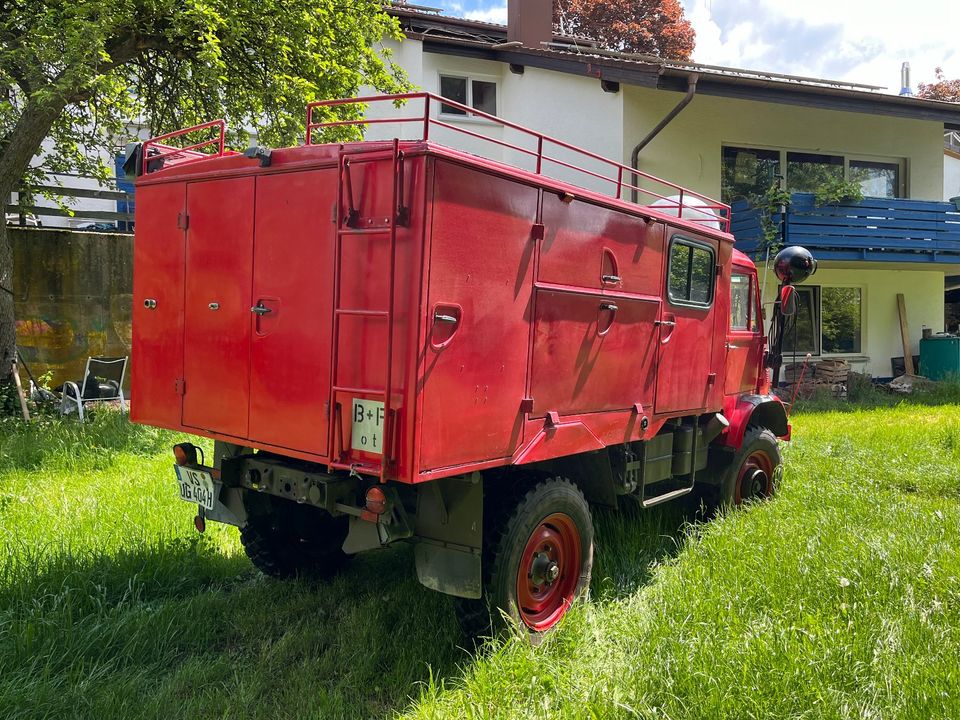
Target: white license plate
x,y
367,432
196,486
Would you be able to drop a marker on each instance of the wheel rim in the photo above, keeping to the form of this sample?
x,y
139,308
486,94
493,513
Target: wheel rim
x,y
756,477
549,572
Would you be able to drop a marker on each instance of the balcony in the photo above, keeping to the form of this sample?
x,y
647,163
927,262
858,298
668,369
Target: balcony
x,y
874,229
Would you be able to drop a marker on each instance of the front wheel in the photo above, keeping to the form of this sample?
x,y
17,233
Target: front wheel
x,y
538,555
753,473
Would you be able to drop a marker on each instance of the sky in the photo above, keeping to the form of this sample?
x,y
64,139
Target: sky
x,y
858,41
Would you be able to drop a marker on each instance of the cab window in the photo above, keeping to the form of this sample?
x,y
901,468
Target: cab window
x,y
740,302
690,274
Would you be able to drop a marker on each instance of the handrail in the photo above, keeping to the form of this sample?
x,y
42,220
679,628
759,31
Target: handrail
x,y
162,151
673,198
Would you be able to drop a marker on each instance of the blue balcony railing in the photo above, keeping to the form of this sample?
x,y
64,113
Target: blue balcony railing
x,y
874,229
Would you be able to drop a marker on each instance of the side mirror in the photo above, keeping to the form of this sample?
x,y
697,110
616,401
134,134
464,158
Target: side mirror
x,y
788,300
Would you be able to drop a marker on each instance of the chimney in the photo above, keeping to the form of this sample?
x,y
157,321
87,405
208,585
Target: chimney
x,y
905,88
530,22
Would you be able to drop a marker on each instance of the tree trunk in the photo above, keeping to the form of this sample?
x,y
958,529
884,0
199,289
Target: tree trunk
x,y
19,147
8,334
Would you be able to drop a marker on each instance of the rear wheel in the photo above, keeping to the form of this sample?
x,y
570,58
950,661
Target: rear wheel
x,y
538,555
284,539
752,474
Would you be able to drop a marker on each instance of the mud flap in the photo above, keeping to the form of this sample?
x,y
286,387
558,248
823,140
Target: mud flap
x,y
449,534
449,570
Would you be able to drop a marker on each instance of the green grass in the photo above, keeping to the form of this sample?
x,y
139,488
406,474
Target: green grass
x,y
839,599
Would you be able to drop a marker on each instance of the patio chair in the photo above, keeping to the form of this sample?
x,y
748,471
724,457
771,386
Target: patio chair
x,y
102,380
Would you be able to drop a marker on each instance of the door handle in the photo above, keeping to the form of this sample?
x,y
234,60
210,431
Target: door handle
x,y
664,323
440,317
260,309
610,279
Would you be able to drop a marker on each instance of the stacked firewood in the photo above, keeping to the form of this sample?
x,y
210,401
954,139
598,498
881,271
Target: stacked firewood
x,y
827,376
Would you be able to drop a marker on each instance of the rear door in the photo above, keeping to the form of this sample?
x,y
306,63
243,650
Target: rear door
x,y
684,378
293,294
217,302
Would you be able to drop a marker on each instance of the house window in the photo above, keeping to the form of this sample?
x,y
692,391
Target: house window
x,y
829,320
691,272
747,173
802,336
479,94
877,179
808,171
840,312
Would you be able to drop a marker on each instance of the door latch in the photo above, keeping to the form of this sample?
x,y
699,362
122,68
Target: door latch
x,y
260,309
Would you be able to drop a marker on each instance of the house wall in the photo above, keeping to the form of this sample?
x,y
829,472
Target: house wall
x,y
709,122
880,324
573,109
951,175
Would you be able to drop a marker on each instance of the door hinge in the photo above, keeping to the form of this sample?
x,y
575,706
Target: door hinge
x,y
538,231
180,386
526,405
183,221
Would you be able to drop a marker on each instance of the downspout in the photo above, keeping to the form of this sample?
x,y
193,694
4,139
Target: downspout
x,y
635,155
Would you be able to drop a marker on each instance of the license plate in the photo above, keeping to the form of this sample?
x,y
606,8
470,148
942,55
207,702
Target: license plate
x,y
196,486
367,433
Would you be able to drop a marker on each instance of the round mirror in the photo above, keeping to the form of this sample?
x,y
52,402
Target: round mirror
x,y
794,264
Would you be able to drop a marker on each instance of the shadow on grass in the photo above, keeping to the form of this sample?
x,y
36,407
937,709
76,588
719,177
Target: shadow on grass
x,y
177,626
180,625
631,541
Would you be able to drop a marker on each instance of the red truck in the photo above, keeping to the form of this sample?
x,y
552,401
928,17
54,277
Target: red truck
x,y
397,340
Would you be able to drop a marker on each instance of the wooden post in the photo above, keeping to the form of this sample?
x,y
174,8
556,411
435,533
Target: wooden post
x,y
23,399
905,335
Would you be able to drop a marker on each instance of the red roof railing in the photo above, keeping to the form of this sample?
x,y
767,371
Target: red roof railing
x,y
166,155
622,180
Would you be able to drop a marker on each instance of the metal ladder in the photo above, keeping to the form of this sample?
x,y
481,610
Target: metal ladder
x,y
347,217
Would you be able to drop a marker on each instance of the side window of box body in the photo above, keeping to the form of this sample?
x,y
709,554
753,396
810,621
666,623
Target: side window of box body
x,y
691,273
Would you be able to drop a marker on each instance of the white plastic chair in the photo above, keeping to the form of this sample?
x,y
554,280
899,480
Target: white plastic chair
x,y
102,380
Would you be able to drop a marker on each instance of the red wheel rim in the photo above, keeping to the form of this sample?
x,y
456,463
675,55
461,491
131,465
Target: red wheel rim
x,y
756,478
549,572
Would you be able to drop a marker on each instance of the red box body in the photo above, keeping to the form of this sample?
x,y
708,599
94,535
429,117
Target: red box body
x,y
506,339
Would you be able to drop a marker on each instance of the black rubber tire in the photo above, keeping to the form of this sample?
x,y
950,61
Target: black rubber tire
x,y
284,539
756,441
507,528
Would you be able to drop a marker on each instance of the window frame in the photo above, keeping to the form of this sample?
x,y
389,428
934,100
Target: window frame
x,y
902,179
693,245
753,325
470,78
817,309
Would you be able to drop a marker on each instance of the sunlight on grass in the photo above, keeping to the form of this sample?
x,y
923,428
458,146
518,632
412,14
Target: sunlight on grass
x,y
839,599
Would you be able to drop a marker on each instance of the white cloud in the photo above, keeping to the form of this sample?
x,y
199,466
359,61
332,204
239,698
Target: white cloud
x,y
851,40
861,41
495,14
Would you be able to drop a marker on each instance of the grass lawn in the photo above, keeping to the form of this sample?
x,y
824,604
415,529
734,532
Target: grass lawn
x,y
839,599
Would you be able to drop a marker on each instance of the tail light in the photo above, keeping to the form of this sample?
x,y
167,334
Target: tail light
x,y
185,454
376,500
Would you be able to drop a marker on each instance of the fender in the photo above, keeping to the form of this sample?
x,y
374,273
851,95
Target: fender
x,y
743,410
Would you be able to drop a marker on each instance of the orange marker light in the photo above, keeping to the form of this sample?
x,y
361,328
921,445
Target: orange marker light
x,y
185,454
376,501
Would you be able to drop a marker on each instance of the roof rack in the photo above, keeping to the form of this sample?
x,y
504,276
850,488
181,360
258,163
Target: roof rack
x,y
157,154
620,180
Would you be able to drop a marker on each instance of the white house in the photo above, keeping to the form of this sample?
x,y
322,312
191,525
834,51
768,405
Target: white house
x,y
726,133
